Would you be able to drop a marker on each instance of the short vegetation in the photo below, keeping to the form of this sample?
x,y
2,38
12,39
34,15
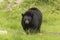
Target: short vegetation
x,y
10,19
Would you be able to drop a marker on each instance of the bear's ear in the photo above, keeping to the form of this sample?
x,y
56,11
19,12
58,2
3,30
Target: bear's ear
x,y
22,14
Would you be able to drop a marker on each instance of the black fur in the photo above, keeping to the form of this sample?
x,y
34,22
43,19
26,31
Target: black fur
x,y
36,20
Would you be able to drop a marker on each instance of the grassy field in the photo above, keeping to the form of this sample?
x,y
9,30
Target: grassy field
x,y
10,19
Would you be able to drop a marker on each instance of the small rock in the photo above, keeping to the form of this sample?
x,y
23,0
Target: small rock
x,y
3,32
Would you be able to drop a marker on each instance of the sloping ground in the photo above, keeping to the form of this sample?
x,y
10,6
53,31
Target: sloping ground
x,y
10,19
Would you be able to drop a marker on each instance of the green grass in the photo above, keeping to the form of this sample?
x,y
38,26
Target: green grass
x,y
11,20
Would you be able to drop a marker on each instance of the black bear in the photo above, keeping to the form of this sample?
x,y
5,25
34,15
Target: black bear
x,y
32,20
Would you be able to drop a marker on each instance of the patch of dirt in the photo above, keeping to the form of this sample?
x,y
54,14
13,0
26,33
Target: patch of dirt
x,y
51,33
1,1
13,3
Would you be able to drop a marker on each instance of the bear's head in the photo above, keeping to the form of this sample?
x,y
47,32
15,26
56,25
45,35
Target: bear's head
x,y
27,18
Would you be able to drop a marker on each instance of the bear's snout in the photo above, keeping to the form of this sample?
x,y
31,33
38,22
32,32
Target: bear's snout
x,y
27,22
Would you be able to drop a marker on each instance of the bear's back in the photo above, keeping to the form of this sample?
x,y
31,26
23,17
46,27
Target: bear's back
x,y
35,11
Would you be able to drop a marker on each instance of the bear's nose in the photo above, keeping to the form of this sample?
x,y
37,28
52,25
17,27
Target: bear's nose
x,y
27,21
